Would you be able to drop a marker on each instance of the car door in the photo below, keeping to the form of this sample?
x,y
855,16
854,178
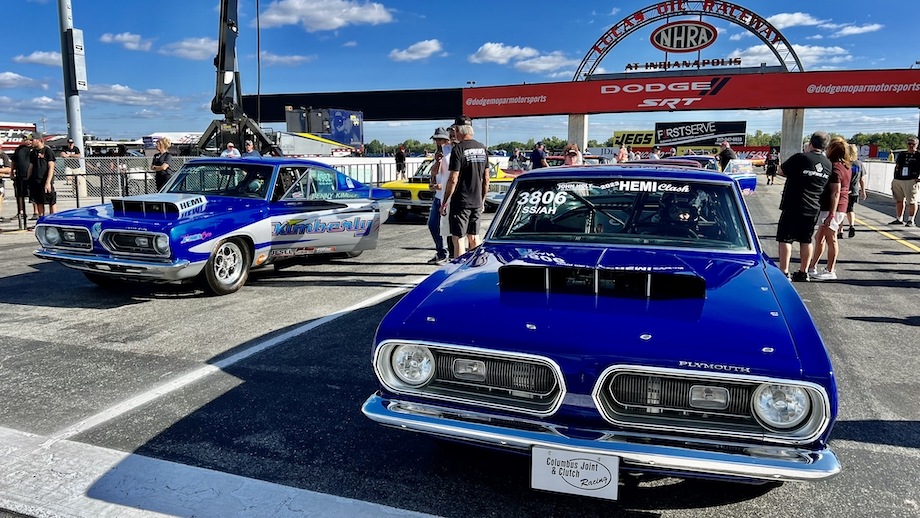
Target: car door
x,y
313,212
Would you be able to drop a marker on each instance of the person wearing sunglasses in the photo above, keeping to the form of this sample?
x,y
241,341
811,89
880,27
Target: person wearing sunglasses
x,y
905,187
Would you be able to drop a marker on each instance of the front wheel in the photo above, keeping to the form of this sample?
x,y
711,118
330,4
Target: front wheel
x,y
228,267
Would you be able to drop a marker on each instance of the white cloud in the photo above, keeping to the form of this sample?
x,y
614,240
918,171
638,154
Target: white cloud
x,y
417,51
351,43
852,30
549,63
197,49
501,54
811,56
784,20
128,40
324,15
14,80
52,59
125,95
290,61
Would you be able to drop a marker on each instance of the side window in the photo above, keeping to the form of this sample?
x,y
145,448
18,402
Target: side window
x,y
294,183
322,184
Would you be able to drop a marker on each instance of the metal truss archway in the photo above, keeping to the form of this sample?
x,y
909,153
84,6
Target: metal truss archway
x,y
741,16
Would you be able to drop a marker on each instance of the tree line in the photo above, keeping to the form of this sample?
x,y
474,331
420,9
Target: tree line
x,y
884,141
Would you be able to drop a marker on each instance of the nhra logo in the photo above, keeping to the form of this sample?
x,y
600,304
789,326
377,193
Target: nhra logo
x,y
682,88
684,36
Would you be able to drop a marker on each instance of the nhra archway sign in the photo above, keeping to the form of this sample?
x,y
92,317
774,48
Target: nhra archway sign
x,y
827,89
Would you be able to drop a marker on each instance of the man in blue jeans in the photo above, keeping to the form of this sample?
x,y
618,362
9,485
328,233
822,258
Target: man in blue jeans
x,y
438,180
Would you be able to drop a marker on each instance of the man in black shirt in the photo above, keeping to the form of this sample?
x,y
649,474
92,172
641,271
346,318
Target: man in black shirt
x,y
20,164
726,155
806,175
466,187
905,187
41,176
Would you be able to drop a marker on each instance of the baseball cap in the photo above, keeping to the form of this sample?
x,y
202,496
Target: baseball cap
x,y
463,120
248,143
37,135
70,141
230,144
441,133
539,144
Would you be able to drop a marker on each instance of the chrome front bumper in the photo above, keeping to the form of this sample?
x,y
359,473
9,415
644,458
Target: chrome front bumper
x,y
767,462
121,267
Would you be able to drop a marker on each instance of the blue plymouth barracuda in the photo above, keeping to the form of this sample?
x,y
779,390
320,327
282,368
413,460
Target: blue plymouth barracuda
x,y
215,220
643,330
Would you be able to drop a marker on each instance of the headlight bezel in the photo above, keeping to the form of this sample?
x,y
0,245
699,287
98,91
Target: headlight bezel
x,y
421,358
799,394
46,233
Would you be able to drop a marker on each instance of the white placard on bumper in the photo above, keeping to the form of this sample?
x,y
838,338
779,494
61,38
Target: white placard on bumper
x,y
575,473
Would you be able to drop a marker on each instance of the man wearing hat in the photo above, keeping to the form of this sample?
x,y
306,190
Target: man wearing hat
x,y
439,174
726,155
41,176
538,156
231,151
655,154
249,150
466,187
73,173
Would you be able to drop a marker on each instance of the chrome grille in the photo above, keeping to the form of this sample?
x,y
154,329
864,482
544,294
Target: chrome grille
x,y
502,374
401,194
507,381
129,243
74,238
655,394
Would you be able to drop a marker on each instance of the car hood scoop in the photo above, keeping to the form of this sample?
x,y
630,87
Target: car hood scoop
x,y
160,205
660,277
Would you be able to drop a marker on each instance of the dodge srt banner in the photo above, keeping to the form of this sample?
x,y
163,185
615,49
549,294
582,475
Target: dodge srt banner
x,y
700,133
826,89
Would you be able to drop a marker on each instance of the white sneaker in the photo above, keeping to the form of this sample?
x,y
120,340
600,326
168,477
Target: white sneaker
x,y
824,275
813,271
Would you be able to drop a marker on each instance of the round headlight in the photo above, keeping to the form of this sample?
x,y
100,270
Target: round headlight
x,y
52,236
161,245
781,406
413,364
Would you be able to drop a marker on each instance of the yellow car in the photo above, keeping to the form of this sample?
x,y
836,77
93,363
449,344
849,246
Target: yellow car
x,y
412,194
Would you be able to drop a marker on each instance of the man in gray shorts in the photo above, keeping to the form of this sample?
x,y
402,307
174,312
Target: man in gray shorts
x,y
466,187
905,187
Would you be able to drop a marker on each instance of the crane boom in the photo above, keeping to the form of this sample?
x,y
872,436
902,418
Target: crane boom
x,y
236,126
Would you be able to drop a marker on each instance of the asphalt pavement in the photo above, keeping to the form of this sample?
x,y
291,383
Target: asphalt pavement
x,y
153,401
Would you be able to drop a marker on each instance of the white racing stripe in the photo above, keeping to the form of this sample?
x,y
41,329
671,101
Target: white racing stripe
x,y
76,480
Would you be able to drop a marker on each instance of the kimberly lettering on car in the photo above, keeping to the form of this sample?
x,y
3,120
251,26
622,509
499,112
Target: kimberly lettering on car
x,y
360,225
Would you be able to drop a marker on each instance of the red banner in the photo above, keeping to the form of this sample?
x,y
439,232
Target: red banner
x,y
831,89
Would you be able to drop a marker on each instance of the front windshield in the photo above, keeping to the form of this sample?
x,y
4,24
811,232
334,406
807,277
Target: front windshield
x,y
623,211
222,179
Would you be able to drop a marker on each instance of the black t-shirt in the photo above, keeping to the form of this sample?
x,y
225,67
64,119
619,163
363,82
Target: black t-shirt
x,y
806,175
907,166
471,159
724,156
40,159
160,159
72,163
22,156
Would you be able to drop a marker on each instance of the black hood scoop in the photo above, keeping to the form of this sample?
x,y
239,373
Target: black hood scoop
x,y
601,282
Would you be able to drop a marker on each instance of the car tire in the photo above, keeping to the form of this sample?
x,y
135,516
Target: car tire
x,y
101,280
228,267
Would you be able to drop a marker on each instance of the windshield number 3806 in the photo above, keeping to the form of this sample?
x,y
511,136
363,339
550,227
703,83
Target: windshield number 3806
x,y
540,202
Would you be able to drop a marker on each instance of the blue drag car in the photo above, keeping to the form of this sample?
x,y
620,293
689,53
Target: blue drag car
x,y
215,220
642,330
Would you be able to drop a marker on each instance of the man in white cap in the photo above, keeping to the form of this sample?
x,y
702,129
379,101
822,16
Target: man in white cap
x,y
249,150
231,151
439,175
73,172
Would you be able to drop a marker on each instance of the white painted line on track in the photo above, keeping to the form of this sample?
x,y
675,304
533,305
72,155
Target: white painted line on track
x,y
77,480
176,384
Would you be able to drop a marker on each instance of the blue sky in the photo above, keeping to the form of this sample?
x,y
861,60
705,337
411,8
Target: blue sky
x,y
150,64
